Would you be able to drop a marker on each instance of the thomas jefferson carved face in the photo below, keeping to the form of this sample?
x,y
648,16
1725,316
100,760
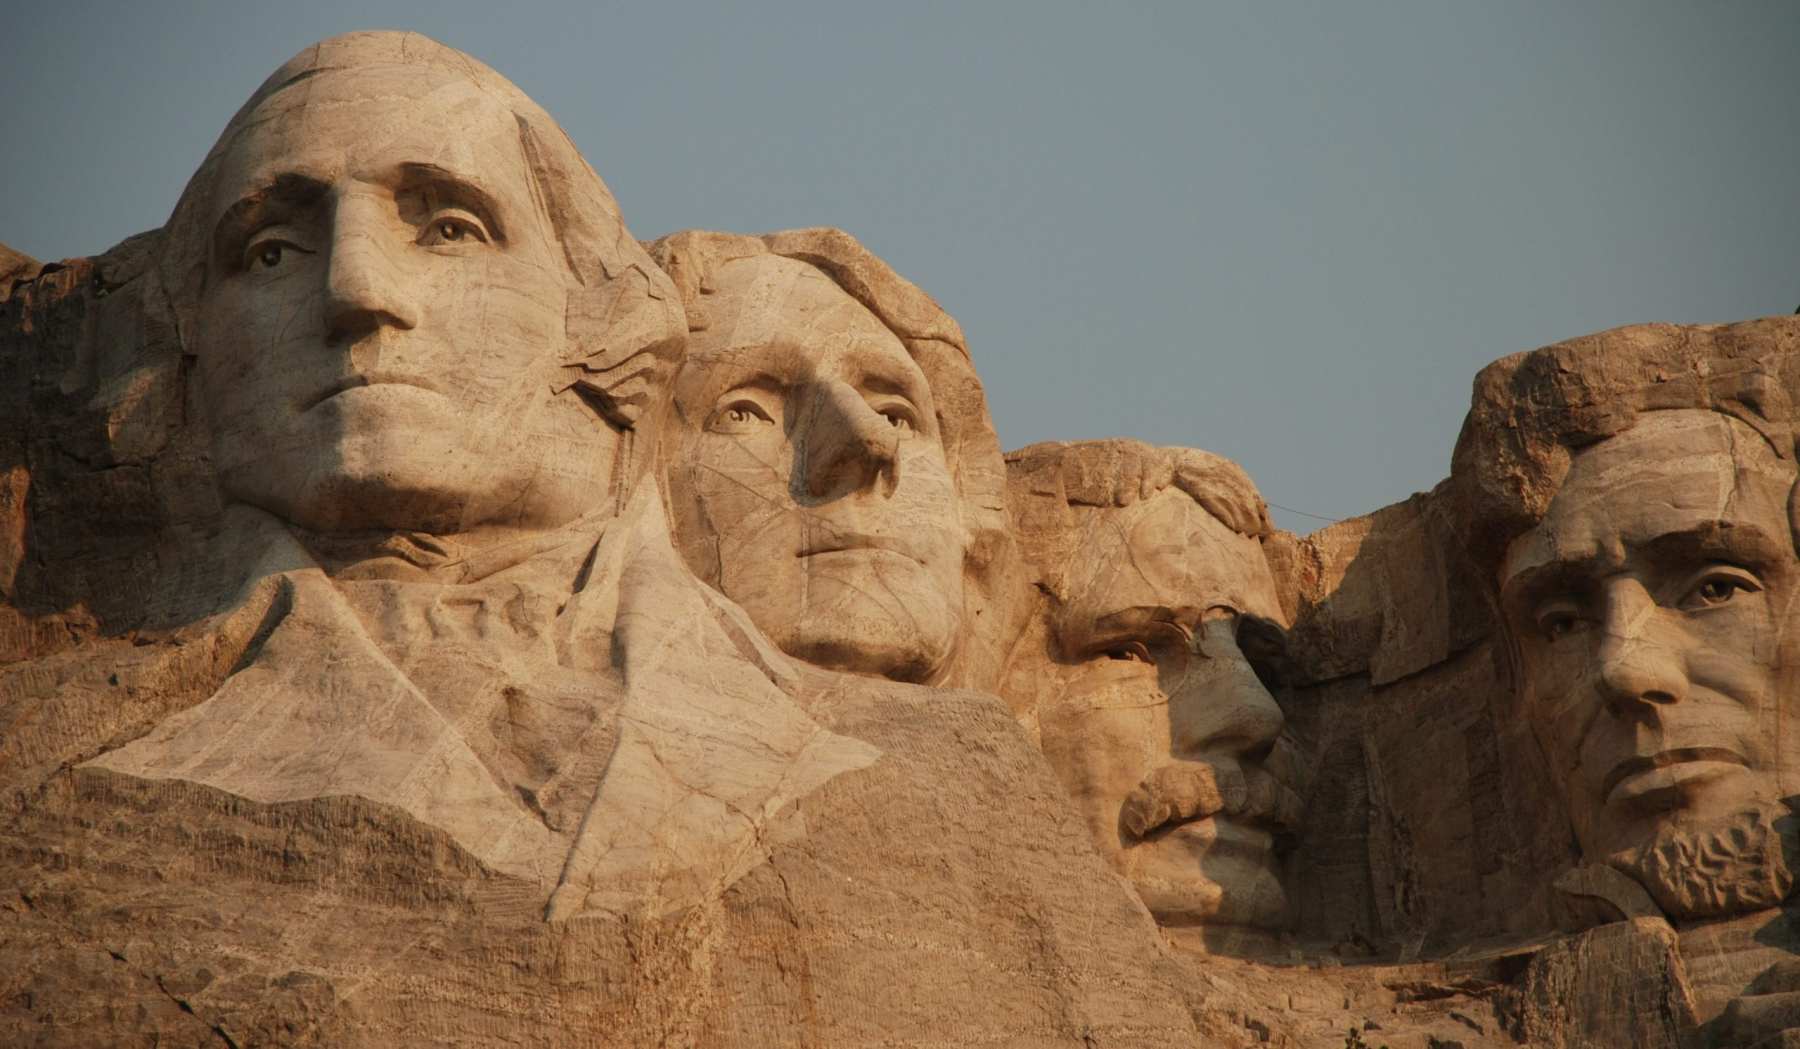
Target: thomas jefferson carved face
x,y
810,483
382,319
1649,608
1165,734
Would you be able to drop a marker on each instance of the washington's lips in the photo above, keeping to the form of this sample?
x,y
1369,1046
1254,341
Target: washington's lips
x,y
352,382
846,542
1632,772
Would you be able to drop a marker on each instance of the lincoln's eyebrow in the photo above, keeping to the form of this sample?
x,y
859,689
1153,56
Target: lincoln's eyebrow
x,y
1737,542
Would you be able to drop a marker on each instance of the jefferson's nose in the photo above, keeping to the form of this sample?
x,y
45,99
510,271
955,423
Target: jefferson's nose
x,y
1632,666
1220,705
845,446
364,288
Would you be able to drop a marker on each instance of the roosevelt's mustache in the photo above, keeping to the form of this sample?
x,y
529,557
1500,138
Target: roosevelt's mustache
x,y
1183,791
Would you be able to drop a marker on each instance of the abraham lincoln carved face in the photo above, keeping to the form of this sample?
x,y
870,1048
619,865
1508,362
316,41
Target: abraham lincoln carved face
x,y
1648,608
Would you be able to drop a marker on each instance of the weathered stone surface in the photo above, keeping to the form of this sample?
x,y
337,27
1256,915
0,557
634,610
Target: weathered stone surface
x,y
430,616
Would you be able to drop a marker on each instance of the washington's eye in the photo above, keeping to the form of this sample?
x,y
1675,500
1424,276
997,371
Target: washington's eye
x,y
1718,588
1129,652
453,226
268,253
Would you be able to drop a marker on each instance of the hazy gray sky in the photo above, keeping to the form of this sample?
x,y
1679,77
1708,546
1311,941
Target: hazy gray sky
x,y
1288,233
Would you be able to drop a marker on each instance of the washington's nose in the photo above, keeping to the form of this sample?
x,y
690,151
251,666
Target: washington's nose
x,y
1632,667
363,288
845,446
1221,706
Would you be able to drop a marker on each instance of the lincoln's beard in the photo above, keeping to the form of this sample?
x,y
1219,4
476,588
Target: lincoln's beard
x,y
1732,866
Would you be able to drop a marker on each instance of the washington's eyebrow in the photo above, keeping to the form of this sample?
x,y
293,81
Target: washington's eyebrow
x,y
1123,623
285,191
463,190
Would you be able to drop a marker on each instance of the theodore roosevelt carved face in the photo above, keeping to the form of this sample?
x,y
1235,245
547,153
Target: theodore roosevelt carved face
x,y
1648,608
810,482
381,321
1165,630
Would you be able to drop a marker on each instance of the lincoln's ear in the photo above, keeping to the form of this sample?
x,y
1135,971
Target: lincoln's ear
x,y
626,337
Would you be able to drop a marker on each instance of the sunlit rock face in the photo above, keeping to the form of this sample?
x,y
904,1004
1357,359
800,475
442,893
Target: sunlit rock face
x,y
431,616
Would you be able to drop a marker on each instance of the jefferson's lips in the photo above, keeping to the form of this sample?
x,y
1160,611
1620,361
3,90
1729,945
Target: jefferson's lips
x,y
352,382
1631,767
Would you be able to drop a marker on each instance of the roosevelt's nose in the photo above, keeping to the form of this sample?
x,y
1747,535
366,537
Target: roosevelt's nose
x,y
364,288
1220,705
844,446
1633,666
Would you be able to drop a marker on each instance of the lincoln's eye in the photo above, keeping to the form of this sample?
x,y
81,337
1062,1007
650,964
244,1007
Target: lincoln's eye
x,y
1719,588
269,256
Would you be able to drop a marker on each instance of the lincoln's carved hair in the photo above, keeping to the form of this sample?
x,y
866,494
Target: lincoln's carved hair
x,y
1052,485
624,323
935,342
1532,412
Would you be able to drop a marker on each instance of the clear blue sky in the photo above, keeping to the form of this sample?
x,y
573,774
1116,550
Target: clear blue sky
x,y
1288,233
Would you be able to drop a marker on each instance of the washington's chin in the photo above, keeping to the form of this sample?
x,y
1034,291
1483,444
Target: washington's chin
x,y
1210,873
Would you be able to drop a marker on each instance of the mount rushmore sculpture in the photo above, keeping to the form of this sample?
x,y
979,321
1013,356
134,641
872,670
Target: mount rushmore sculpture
x,y
433,616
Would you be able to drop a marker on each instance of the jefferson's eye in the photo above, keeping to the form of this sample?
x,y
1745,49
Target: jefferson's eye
x,y
740,416
1718,588
453,226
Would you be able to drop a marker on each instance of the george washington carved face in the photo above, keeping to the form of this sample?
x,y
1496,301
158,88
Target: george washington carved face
x,y
811,484
381,322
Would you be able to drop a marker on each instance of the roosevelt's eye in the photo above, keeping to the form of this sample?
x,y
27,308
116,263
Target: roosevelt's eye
x,y
740,416
899,415
453,226
1718,587
1128,652
1558,619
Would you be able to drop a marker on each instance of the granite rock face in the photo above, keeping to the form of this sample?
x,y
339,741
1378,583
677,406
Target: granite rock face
x,y
432,616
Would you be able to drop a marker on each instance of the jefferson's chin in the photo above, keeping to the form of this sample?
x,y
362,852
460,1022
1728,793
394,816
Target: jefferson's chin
x,y
891,622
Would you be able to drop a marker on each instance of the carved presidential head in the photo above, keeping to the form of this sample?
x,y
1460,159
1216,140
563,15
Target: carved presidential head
x,y
1630,498
411,303
1164,633
830,463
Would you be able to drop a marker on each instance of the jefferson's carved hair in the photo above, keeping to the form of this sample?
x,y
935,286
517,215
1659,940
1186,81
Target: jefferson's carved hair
x,y
623,321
